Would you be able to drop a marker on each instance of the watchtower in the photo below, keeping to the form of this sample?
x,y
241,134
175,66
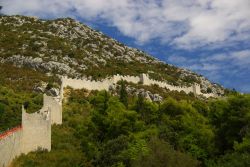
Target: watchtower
x,y
196,89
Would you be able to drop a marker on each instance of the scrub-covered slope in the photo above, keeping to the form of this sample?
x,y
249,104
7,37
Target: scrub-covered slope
x,y
65,46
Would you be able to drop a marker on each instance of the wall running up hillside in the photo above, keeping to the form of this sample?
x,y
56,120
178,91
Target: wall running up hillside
x,y
143,78
34,133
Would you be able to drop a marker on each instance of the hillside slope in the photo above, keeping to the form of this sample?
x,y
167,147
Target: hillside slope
x,y
65,46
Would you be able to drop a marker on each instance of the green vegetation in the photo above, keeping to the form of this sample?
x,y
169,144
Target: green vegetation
x,y
98,130
124,94
40,38
11,106
16,89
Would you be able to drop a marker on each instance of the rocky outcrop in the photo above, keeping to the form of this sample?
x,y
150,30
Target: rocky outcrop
x,y
68,47
135,92
38,63
44,88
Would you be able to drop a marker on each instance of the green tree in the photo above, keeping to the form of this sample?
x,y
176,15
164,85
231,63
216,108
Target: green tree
x,y
186,129
110,152
231,119
147,110
1,108
161,154
124,94
139,103
119,120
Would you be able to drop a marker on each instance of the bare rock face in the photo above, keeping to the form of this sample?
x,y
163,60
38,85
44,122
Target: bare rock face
x,y
157,98
38,63
39,89
53,92
146,95
44,88
136,92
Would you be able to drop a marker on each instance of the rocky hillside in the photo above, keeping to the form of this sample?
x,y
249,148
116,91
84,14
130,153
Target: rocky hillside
x,y
68,47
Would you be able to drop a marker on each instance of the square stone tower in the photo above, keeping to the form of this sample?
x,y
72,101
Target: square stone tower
x,y
144,79
196,89
36,131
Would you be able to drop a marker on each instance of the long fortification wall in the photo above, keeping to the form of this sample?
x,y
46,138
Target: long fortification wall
x,y
133,79
147,81
97,85
209,95
10,145
143,78
87,84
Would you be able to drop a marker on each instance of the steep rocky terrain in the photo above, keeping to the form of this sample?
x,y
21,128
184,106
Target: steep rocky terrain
x,y
67,47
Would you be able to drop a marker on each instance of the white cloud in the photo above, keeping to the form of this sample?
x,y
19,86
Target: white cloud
x,y
231,68
177,59
226,61
185,24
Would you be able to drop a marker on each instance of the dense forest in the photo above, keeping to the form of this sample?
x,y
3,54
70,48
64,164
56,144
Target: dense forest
x,y
117,131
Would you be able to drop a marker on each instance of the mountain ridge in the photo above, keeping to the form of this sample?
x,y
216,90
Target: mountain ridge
x,y
65,46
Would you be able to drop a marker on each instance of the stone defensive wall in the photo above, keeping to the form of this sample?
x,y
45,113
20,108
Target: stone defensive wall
x,y
34,132
105,84
10,145
87,84
147,81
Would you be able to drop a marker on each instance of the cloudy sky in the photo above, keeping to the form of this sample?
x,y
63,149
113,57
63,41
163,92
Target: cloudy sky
x,y
211,37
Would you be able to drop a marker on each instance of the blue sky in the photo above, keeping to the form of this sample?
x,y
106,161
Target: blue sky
x,y
211,37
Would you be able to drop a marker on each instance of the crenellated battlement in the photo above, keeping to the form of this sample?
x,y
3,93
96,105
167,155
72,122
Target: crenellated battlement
x,y
143,78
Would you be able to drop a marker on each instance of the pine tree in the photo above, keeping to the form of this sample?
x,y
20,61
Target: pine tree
x,y
106,99
124,94
140,103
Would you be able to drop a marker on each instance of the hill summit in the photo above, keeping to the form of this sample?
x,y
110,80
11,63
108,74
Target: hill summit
x,y
68,47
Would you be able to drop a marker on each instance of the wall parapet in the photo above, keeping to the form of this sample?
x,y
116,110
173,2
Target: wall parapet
x,y
10,145
105,84
10,132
